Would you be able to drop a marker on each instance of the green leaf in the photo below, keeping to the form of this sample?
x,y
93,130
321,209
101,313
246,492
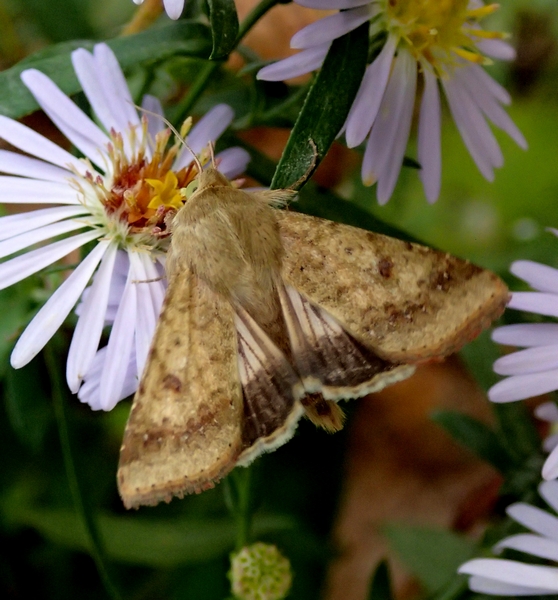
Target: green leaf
x,y
517,429
224,27
380,588
149,542
186,38
477,437
325,109
432,555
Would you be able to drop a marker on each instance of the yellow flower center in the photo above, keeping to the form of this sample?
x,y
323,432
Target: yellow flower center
x,y
436,29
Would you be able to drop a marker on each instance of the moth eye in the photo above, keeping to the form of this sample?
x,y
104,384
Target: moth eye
x,y
190,188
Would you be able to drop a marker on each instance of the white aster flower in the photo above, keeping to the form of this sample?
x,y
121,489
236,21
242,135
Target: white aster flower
x,y
534,370
173,8
502,577
427,43
117,197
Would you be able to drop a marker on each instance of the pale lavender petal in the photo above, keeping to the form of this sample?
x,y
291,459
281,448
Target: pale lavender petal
x,y
17,243
90,391
70,120
18,164
547,412
488,104
538,276
386,184
532,360
369,96
496,49
485,585
429,136
54,312
535,302
549,491
89,328
17,190
32,143
514,573
527,334
332,27
471,126
491,85
332,4
13,225
535,519
519,387
20,267
531,544
154,124
550,467
206,130
173,8
304,62
232,162
550,442
120,345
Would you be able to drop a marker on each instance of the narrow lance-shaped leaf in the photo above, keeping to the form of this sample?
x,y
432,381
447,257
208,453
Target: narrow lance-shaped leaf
x,y
325,109
185,38
224,27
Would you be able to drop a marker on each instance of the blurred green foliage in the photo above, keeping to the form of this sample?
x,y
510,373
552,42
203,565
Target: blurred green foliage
x,y
181,550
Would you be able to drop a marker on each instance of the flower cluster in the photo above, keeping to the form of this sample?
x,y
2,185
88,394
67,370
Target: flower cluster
x,y
118,197
426,43
173,8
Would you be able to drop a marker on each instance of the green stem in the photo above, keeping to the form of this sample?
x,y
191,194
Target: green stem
x,y
95,546
238,497
207,71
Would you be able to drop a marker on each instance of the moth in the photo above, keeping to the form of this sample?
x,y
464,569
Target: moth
x,y
271,315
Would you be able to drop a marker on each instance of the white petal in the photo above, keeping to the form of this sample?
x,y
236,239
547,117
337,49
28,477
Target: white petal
x,y
13,225
232,162
20,267
535,302
496,49
293,66
429,137
527,334
514,573
173,8
332,27
535,519
24,240
520,387
549,491
154,124
485,585
547,412
471,126
538,276
491,85
550,467
369,96
70,120
32,143
18,164
17,190
87,334
120,345
532,360
531,544
54,312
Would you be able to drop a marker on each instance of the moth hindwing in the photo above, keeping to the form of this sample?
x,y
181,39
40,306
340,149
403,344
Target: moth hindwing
x,y
272,314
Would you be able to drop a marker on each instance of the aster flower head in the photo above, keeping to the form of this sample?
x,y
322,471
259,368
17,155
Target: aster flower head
x,y
423,44
533,370
173,8
503,577
118,197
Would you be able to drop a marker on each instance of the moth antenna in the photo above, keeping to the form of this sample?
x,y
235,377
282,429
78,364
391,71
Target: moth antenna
x,y
176,133
302,180
212,154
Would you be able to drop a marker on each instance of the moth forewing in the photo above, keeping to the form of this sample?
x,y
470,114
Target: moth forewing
x,y
185,427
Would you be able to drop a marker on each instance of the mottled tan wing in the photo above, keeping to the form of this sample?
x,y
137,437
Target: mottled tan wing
x,y
406,302
272,390
185,428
